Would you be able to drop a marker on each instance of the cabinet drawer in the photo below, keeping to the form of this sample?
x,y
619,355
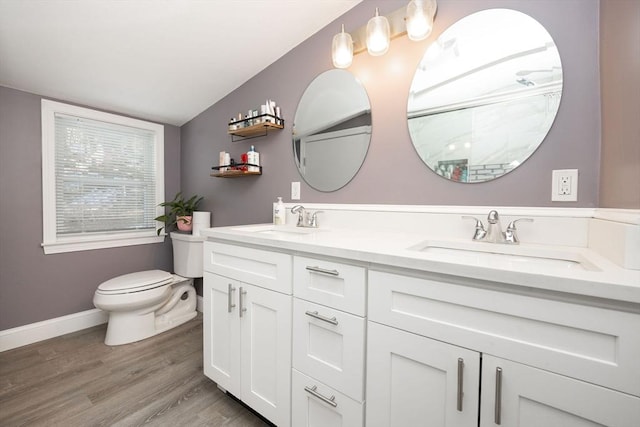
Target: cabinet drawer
x,y
329,345
270,270
316,404
594,344
336,285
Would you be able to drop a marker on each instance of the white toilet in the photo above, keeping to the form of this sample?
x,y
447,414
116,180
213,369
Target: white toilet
x,y
146,303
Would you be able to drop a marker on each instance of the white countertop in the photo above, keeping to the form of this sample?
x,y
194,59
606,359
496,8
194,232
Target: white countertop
x,y
601,279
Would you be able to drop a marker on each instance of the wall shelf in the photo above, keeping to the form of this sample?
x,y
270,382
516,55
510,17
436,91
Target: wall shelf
x,y
237,172
254,127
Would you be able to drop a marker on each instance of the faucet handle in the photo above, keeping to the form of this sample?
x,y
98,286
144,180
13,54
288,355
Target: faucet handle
x,y
510,234
480,231
313,221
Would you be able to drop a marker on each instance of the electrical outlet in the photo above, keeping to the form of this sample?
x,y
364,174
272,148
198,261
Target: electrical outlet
x,y
564,185
295,191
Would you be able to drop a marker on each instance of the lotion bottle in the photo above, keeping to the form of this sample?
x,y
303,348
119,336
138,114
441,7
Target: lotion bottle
x,y
279,213
253,159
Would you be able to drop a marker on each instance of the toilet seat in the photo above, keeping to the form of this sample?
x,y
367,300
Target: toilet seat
x,y
136,282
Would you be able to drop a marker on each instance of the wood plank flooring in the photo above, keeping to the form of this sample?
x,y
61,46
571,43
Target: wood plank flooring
x,y
76,380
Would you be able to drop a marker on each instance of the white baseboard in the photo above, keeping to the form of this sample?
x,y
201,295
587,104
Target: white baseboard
x,y
39,331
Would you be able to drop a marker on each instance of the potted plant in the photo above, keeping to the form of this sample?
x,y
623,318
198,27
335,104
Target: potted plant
x,y
180,212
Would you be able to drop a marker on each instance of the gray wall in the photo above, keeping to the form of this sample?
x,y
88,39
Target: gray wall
x,y
620,85
392,172
34,286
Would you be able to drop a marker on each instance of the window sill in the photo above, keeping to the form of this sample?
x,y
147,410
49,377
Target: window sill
x,y
76,244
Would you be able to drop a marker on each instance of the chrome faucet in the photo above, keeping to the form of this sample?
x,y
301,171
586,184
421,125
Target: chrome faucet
x,y
493,233
305,218
494,228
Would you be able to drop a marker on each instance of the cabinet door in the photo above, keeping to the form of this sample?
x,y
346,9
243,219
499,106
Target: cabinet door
x,y
315,404
415,381
221,331
530,397
266,352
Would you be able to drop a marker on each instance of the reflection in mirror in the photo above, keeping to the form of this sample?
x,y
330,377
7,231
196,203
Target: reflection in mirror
x,y
484,95
332,130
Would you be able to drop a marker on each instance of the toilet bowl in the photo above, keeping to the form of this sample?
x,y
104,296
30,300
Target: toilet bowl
x,y
146,303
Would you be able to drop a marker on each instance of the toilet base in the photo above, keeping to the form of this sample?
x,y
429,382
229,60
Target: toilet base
x,y
128,327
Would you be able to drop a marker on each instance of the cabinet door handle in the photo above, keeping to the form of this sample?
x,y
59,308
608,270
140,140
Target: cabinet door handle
x,y
323,270
460,386
230,304
241,299
315,315
498,406
328,400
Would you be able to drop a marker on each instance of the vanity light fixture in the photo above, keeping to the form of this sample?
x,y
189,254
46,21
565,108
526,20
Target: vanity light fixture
x,y
342,49
419,19
415,20
378,35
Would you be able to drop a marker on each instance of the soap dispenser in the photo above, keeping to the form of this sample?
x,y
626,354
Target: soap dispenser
x,y
279,213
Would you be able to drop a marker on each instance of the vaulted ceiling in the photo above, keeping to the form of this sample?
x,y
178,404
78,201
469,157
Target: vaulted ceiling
x,y
162,60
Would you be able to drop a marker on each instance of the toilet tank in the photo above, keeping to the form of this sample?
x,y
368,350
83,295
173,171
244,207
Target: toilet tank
x,y
187,254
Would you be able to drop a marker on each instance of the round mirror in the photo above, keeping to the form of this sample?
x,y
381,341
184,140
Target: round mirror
x,y
484,95
332,130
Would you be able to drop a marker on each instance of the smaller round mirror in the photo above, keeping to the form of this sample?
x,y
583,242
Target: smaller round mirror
x,y
484,95
332,130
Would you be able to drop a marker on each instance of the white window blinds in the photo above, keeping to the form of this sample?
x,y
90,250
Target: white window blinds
x,y
102,179
105,176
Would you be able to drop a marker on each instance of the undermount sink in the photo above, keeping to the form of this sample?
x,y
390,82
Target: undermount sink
x,y
482,253
275,230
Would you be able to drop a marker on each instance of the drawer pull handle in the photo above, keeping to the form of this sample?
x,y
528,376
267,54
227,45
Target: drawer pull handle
x,y
460,393
498,406
230,304
328,400
242,307
323,270
315,315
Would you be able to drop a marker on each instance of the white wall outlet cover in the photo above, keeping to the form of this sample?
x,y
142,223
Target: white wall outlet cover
x,y
295,191
564,185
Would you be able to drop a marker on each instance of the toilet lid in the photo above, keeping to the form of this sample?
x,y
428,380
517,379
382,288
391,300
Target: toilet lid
x,y
134,282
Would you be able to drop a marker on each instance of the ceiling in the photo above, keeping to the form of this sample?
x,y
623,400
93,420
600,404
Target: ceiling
x,y
161,60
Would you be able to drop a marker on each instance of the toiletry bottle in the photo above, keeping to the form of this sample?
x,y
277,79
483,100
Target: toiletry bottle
x,y
279,213
253,158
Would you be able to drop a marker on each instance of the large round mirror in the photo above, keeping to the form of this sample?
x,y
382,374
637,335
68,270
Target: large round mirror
x,y
484,95
332,130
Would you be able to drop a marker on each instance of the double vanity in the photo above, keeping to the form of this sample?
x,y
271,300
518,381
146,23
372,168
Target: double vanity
x,y
394,316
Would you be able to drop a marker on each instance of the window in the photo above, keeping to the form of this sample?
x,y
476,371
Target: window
x,y
102,179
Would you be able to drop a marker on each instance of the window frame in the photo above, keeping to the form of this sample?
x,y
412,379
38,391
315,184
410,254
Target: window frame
x,y
52,243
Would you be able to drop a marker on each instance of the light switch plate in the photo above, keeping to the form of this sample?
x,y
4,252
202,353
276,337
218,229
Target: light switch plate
x,y
295,191
564,185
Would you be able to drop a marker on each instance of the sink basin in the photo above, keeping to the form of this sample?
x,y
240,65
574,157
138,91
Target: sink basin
x,y
276,230
480,253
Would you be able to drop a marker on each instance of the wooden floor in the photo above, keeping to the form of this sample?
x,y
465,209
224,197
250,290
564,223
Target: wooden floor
x,y
76,380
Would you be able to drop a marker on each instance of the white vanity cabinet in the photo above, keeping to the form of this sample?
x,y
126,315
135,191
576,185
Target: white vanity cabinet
x,y
247,326
545,361
328,343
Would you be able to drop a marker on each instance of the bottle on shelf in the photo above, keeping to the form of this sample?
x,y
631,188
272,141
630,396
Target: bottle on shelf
x,y
253,158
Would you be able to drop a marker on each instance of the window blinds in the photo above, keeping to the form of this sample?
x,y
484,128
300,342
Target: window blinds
x,y
105,177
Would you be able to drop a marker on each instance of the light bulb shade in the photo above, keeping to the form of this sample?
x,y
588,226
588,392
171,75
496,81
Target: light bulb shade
x,y
419,21
342,50
378,35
